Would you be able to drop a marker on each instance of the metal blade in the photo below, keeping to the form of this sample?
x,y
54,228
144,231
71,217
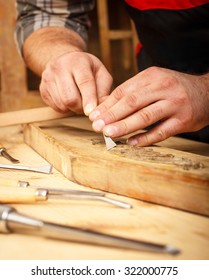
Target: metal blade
x,y
42,169
109,142
54,191
4,153
76,194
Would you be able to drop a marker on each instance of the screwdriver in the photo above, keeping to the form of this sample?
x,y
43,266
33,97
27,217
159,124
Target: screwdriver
x,y
12,221
30,194
4,153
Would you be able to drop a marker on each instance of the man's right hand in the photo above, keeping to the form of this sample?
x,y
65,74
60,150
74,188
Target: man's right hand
x,y
76,81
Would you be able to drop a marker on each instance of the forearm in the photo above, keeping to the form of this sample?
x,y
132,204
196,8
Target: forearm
x,y
49,43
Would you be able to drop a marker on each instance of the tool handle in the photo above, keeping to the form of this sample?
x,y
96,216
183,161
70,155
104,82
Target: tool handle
x,y
8,182
21,195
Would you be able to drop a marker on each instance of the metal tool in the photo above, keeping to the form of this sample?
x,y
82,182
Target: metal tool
x,y
77,194
33,194
4,153
109,142
12,221
42,169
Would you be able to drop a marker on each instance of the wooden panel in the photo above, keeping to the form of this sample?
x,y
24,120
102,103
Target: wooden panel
x,y
156,174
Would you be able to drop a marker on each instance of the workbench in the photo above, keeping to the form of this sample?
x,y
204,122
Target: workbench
x,y
145,221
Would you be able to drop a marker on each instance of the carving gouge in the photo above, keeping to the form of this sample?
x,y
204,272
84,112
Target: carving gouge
x,y
33,194
4,153
12,221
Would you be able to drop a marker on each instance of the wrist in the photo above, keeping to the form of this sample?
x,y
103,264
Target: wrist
x,y
49,43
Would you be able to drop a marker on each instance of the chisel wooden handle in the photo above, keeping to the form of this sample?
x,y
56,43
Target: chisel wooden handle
x,y
8,182
19,195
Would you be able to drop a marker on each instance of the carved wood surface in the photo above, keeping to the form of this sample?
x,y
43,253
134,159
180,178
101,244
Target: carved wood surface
x,y
158,174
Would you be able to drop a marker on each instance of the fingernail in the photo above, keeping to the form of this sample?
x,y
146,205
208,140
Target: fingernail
x,y
94,115
132,142
88,109
98,125
110,130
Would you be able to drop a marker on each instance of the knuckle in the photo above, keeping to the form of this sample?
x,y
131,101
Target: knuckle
x,y
123,127
147,116
56,66
161,134
43,92
85,79
185,120
71,102
118,93
110,117
168,82
131,100
158,112
152,71
144,139
181,99
46,77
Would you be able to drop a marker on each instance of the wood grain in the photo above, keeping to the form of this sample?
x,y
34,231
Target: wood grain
x,y
145,221
156,174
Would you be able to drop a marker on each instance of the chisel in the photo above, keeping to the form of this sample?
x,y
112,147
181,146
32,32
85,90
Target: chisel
x,y
12,221
41,169
31,195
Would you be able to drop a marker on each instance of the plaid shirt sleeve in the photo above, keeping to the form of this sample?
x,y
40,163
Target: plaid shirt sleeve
x,y
35,14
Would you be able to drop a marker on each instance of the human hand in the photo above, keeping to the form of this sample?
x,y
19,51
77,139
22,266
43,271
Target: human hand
x,y
75,81
179,101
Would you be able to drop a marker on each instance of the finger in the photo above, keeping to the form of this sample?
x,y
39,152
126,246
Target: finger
x,y
58,93
128,105
86,84
139,120
127,88
68,91
162,131
46,97
103,82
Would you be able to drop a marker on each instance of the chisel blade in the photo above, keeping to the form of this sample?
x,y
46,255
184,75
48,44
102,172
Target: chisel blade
x,y
42,169
109,143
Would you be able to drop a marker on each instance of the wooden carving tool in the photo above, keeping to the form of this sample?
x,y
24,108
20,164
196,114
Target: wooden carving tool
x,y
9,193
12,221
